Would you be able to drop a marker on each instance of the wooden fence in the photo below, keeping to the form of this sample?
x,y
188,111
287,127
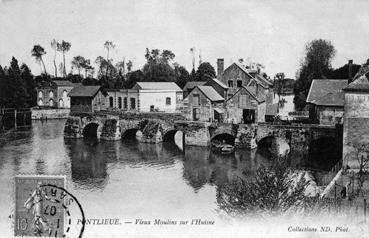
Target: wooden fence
x,y
15,118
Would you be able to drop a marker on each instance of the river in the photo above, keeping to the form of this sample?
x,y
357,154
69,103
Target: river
x,y
123,180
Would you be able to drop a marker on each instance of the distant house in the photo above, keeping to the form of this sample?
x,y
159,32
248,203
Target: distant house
x,y
146,97
245,107
237,76
190,86
87,99
158,96
122,99
54,93
204,103
326,101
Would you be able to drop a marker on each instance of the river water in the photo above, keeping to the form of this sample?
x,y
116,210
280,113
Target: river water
x,y
122,180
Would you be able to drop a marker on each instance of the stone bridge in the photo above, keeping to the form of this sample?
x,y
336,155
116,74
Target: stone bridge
x,y
159,127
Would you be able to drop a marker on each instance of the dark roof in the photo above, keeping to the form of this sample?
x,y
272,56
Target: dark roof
x,y
84,91
321,87
157,86
255,75
359,84
192,84
210,93
64,83
331,99
217,82
271,109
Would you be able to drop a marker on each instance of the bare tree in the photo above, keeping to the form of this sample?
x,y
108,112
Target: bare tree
x,y
192,50
54,46
64,47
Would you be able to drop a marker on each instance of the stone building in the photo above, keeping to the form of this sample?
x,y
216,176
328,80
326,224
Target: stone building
x,y
190,86
146,97
326,101
245,107
204,104
220,87
122,99
237,76
356,120
87,99
55,93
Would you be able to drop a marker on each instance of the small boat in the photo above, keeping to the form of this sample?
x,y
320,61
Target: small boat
x,y
227,149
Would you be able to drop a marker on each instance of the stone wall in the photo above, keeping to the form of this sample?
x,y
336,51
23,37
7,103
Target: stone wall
x,y
57,113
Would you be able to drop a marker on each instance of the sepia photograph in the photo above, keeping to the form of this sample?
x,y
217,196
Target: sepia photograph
x,y
184,118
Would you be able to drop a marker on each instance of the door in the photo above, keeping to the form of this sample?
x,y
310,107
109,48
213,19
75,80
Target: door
x,y
248,116
195,114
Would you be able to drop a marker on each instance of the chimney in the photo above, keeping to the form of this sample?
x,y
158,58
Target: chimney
x,y
350,70
220,67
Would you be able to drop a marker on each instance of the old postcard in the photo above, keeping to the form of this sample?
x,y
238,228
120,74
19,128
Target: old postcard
x,y
196,118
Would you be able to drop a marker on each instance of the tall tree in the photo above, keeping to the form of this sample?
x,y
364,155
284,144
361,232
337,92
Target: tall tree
x,y
159,66
54,46
316,64
37,52
192,50
78,62
279,84
182,75
64,47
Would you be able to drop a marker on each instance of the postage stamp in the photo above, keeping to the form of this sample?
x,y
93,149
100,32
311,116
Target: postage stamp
x,y
40,207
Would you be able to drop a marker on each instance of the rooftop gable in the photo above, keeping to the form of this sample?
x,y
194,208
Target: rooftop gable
x,y
193,84
359,84
84,91
321,87
210,93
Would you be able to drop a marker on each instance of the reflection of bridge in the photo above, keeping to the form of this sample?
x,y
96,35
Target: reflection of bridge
x,y
159,127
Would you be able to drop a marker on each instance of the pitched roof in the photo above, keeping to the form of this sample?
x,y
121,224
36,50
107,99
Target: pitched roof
x,y
218,82
321,87
359,84
158,86
252,92
210,93
84,91
331,99
64,83
193,84
255,75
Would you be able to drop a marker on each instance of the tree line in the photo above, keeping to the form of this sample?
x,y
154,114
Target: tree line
x,y
18,84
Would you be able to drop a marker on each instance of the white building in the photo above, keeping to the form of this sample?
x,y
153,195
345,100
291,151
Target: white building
x,y
147,97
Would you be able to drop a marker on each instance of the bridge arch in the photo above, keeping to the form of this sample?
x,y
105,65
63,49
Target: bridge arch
x,y
224,138
91,130
130,134
274,144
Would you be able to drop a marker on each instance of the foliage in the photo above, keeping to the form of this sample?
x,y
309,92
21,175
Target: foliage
x,y
182,75
37,52
17,86
159,66
204,72
63,47
316,65
271,192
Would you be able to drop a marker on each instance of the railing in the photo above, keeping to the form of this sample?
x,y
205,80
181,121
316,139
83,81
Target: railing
x,y
15,118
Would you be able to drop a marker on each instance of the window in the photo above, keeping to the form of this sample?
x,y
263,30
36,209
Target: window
x,y
196,100
168,101
120,102
230,83
61,103
51,94
239,83
51,103
65,94
152,108
133,103
111,101
125,103
40,94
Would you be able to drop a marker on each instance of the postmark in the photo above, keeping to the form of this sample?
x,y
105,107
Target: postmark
x,y
44,207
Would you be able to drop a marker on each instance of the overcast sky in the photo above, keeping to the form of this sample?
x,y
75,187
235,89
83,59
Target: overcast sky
x,y
273,33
